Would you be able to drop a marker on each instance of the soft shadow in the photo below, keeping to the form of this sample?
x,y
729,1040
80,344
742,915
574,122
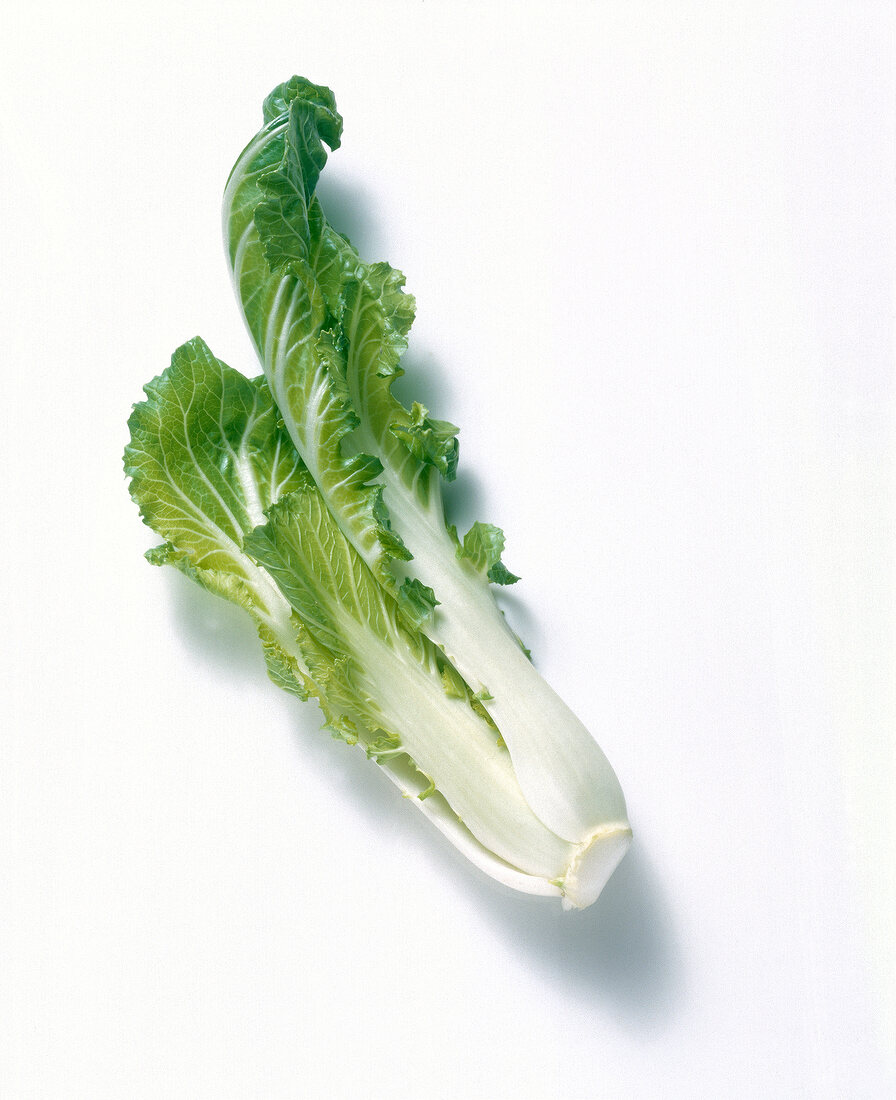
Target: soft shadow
x,y
521,620
424,381
620,952
220,632
465,500
223,636
351,211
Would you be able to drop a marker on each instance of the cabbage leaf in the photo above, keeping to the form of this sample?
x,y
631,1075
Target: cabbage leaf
x,y
311,497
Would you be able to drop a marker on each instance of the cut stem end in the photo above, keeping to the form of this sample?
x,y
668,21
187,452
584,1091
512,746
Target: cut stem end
x,y
591,869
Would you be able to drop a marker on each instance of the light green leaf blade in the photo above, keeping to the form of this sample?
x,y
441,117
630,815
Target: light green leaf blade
x,y
323,577
206,457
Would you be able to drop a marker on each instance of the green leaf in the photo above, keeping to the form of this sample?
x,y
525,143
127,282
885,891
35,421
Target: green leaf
x,y
482,547
284,669
432,441
315,96
352,633
330,331
374,317
282,216
207,456
288,266
307,373
416,602
323,577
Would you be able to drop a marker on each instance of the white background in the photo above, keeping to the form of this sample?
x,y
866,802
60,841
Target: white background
x,y
653,252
